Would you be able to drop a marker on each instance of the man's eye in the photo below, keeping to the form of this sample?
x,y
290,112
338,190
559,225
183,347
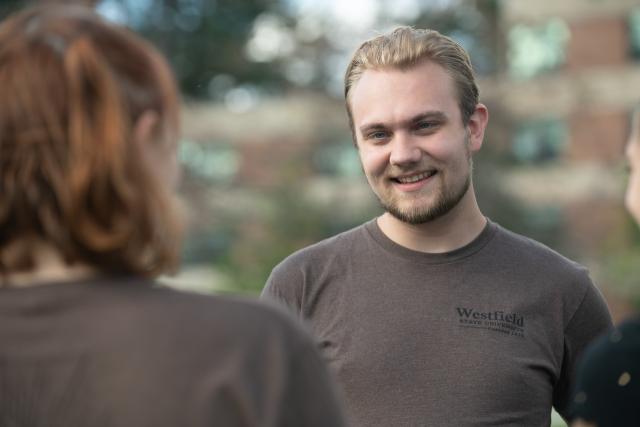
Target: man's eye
x,y
377,135
425,125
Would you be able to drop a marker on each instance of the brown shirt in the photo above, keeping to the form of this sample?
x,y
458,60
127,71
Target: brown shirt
x,y
122,353
485,335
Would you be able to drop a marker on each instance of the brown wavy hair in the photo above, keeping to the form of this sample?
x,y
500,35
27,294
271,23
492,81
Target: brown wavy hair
x,y
71,174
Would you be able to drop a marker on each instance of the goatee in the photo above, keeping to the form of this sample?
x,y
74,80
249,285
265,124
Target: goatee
x,y
443,205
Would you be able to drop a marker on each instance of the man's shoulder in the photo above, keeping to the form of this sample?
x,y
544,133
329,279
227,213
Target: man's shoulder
x,y
529,250
306,268
331,248
560,282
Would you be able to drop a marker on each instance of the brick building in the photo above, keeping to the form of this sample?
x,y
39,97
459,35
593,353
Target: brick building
x,y
570,78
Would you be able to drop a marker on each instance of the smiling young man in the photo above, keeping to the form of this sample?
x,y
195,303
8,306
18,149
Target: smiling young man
x,y
431,314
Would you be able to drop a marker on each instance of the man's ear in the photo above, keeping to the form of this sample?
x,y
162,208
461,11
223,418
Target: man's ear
x,y
477,125
145,128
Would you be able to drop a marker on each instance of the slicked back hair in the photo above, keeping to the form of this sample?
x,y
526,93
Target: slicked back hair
x,y
405,47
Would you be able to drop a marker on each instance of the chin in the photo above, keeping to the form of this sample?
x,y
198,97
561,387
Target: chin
x,y
415,215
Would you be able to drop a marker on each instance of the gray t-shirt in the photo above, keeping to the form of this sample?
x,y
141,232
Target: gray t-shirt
x,y
485,335
123,353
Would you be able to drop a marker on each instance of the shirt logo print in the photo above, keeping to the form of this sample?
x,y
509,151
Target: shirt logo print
x,y
498,321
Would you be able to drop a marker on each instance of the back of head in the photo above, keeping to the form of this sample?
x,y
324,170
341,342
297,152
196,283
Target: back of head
x,y
404,48
71,173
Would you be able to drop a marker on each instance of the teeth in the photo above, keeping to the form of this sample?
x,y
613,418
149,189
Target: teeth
x,y
416,178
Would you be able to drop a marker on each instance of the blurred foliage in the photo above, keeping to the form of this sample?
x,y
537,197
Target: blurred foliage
x,y
272,46
542,223
620,266
201,38
474,27
204,39
634,29
288,217
9,6
291,224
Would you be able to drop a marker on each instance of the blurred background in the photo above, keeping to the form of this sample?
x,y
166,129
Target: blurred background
x,y
268,162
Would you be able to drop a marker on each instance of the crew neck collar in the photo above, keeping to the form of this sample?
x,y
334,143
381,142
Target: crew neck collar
x,y
462,252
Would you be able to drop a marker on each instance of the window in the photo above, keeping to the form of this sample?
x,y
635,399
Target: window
x,y
634,32
337,159
539,141
537,49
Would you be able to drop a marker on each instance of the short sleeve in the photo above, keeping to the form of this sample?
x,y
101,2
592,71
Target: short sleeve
x,y
590,320
284,286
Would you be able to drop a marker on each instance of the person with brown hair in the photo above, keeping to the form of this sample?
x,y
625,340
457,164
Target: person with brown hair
x,y
88,133
432,314
608,382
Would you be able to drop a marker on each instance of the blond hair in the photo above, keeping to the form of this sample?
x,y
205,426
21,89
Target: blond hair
x,y
406,47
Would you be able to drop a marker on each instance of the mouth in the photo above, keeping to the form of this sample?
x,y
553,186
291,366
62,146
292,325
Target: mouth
x,y
415,177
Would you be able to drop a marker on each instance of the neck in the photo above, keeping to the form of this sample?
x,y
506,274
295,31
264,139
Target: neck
x,y
451,231
49,267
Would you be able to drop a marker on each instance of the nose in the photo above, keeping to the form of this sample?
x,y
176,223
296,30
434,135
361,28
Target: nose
x,y
404,150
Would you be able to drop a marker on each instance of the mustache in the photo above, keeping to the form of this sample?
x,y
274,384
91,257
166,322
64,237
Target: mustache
x,y
394,171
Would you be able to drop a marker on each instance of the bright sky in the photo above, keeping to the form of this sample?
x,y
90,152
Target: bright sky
x,y
356,14
362,14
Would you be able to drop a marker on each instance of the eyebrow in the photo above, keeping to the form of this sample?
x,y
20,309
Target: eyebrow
x,y
428,115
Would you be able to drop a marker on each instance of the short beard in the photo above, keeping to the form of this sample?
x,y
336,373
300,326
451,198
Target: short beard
x,y
444,204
